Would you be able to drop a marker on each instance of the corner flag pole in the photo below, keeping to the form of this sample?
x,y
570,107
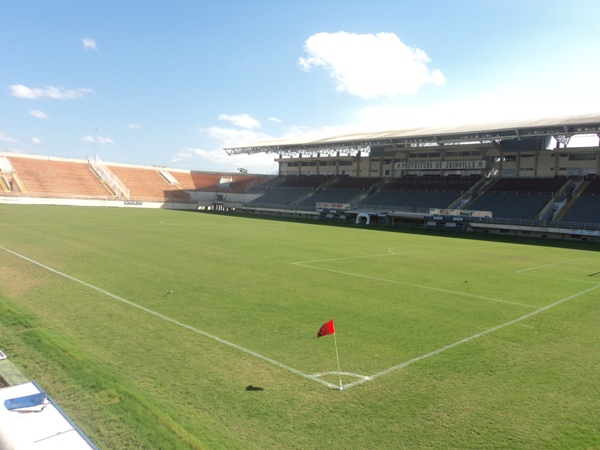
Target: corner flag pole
x,y
326,329
338,361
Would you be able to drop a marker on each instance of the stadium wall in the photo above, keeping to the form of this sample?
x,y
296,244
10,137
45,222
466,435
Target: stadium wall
x,y
96,203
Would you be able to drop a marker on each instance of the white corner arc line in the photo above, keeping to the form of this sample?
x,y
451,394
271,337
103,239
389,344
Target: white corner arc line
x,y
173,321
475,336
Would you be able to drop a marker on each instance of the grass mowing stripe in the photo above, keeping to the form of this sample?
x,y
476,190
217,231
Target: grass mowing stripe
x,y
413,285
463,341
168,319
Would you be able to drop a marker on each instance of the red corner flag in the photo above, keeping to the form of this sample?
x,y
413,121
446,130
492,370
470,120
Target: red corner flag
x,y
326,329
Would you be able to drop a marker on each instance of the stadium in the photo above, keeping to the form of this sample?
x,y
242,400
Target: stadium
x,y
517,178
168,308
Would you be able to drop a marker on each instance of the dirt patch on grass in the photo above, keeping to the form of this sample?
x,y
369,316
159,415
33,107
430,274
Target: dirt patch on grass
x,y
19,277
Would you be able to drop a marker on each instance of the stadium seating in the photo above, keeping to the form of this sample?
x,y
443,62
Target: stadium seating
x,y
330,196
280,197
421,192
52,178
528,185
200,181
411,199
586,208
510,205
305,181
147,185
517,198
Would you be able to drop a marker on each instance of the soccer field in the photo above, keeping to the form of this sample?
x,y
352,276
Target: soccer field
x,y
148,327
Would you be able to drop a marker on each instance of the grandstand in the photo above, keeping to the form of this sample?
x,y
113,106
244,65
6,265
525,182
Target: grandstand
x,y
50,180
516,178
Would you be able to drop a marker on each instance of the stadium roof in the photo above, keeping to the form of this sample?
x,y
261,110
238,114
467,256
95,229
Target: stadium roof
x,y
561,128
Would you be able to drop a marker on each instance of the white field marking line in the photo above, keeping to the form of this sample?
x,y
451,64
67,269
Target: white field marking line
x,y
437,250
390,253
191,225
173,321
549,265
416,285
560,278
475,336
355,375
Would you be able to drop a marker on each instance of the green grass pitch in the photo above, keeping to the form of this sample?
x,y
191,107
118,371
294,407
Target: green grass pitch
x,y
445,341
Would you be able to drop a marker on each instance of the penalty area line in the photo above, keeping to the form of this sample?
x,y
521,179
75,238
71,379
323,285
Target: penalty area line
x,y
470,338
176,322
431,288
549,265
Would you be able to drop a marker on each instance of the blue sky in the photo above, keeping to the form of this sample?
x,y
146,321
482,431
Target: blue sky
x,y
171,83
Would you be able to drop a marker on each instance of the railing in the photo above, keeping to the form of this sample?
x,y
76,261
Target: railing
x,y
109,178
427,212
540,223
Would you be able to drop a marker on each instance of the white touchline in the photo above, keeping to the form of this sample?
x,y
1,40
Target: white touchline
x,y
475,336
414,285
298,372
168,319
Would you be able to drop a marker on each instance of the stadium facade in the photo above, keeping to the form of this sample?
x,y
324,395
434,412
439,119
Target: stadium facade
x,y
517,178
508,149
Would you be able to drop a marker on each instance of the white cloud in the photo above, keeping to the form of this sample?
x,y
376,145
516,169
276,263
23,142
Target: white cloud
x,y
89,43
36,140
5,138
182,155
218,160
38,114
230,137
18,90
241,120
98,139
133,125
370,65
275,119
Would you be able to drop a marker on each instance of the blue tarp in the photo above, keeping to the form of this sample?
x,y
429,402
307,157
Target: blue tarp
x,y
27,401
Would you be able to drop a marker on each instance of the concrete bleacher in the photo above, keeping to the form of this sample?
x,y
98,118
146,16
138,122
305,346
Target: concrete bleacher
x,y
202,181
56,178
147,185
